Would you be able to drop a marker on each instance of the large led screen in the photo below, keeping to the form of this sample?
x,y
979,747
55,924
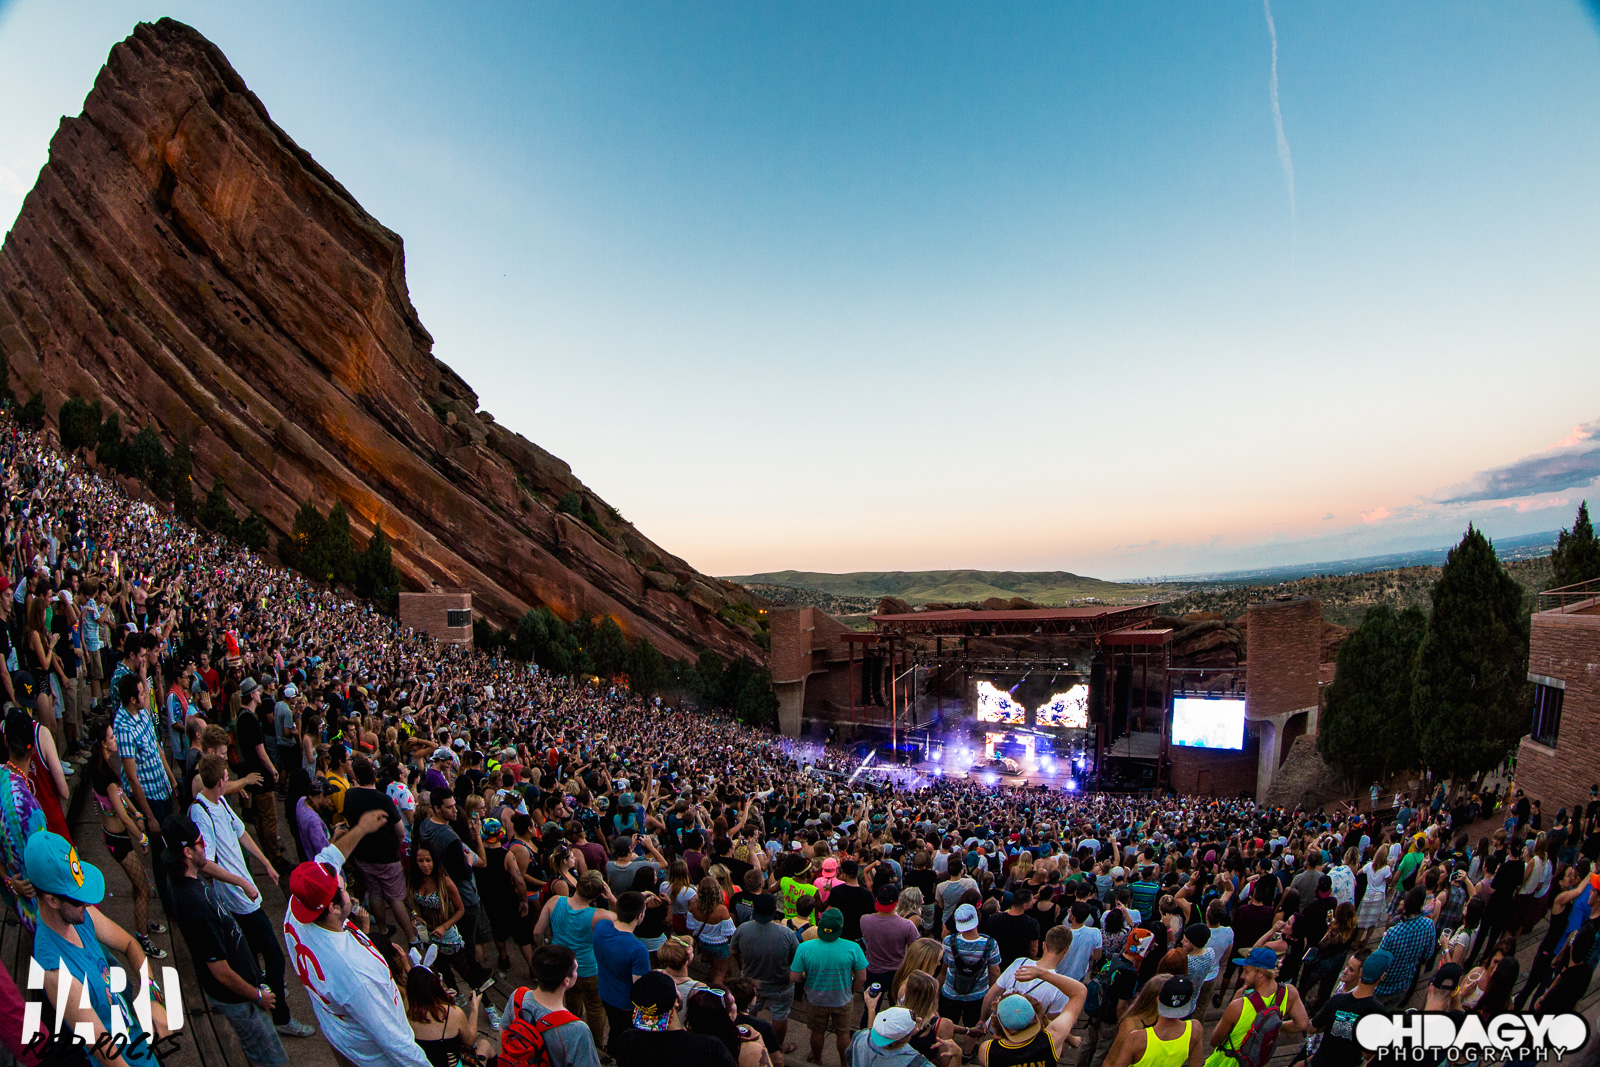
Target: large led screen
x,y
1202,723
1068,710
996,705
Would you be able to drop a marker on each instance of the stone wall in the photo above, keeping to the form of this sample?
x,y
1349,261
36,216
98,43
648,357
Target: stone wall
x,y
1565,648
1214,772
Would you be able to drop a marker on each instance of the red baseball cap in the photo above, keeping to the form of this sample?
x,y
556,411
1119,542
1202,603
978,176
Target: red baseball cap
x,y
312,887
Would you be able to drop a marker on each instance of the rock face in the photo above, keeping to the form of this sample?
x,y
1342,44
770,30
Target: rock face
x,y
183,261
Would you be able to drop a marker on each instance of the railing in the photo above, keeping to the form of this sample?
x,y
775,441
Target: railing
x,y
1580,597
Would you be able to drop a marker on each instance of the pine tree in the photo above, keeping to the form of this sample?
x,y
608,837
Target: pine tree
x,y
1366,729
647,668
108,450
1471,700
32,414
294,546
79,423
332,556
253,532
608,650
216,513
1576,557
377,578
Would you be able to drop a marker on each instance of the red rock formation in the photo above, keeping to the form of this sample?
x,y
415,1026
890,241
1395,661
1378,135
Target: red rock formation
x,y
182,260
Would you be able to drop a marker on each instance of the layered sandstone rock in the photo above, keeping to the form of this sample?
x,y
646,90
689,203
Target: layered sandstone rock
x,y
182,260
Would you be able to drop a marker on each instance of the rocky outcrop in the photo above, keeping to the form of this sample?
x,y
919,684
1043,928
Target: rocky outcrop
x,y
183,261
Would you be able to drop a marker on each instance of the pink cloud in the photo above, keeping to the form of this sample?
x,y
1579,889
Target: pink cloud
x,y
1375,515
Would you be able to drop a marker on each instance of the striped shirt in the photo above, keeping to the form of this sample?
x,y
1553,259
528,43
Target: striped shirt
x,y
136,738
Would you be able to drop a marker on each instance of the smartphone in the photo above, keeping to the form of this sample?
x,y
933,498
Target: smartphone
x,y
488,984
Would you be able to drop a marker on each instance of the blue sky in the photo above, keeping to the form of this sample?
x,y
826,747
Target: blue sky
x,y
884,286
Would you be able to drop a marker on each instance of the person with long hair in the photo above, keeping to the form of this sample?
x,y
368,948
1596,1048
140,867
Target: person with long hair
x,y
444,1032
1375,903
711,925
652,928
126,836
923,955
934,1036
439,905
712,1012
679,891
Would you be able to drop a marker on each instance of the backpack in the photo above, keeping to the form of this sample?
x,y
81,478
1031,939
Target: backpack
x,y
1099,985
963,975
522,1041
1256,1048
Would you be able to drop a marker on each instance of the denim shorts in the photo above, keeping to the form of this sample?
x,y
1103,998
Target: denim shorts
x,y
256,1033
779,1004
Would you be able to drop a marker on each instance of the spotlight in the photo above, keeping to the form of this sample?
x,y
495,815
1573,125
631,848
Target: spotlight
x,y
1072,787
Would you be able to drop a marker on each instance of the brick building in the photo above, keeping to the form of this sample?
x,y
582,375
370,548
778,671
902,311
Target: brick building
x,y
1560,758
447,615
810,666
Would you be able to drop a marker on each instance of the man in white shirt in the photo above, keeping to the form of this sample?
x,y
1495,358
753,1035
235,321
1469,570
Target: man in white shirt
x,y
353,995
225,841
1084,952
1048,995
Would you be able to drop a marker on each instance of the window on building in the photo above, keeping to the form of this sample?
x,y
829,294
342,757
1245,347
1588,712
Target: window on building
x,y
1546,713
458,617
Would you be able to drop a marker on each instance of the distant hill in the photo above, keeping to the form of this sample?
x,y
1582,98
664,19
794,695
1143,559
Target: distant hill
x,y
1346,597
925,587
1509,549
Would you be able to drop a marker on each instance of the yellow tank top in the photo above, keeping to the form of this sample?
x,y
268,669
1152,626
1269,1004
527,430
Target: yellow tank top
x,y
1159,1053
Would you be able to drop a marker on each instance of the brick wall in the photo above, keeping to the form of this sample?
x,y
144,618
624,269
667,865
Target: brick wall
x,y
1214,773
1284,653
790,629
1566,647
428,613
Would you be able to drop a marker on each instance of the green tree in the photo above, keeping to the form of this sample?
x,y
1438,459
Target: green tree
x,y
647,668
545,638
180,472
756,704
109,448
296,544
377,578
608,649
708,670
32,414
79,422
486,637
1576,557
1367,729
147,459
216,513
1470,701
331,556
253,533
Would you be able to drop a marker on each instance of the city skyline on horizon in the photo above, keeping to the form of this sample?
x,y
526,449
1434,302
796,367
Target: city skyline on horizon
x,y
1287,289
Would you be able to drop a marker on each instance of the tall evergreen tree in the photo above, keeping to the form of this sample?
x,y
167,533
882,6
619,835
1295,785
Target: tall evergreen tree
x,y
377,578
1367,729
216,513
1471,698
79,423
608,650
332,555
296,544
647,668
1576,557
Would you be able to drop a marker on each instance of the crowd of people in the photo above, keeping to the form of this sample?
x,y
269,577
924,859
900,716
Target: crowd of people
x,y
660,885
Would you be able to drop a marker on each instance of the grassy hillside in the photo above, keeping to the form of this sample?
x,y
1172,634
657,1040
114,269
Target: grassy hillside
x,y
923,587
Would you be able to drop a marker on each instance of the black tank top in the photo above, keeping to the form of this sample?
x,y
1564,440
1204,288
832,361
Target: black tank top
x,y
1040,1051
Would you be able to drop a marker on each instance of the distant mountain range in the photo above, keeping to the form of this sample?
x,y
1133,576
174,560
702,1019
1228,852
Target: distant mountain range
x,y
924,587
1509,549
858,591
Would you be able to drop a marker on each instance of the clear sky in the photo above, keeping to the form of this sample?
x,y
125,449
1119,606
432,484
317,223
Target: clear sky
x,y
1031,286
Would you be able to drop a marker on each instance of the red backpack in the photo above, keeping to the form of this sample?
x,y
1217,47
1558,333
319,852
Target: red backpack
x,y
522,1041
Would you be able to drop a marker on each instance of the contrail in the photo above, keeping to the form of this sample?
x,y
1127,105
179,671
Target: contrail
x,y
1284,158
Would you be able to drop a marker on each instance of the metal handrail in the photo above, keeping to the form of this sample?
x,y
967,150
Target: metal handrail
x,y
1569,597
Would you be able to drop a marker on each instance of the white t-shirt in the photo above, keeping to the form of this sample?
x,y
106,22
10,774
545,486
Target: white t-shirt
x,y
353,995
1221,945
1075,964
1051,999
221,829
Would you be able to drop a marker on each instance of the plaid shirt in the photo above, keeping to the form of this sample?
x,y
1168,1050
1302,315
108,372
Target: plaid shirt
x,y
137,738
1409,942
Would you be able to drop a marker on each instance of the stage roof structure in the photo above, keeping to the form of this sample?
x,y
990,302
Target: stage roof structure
x,y
1090,620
